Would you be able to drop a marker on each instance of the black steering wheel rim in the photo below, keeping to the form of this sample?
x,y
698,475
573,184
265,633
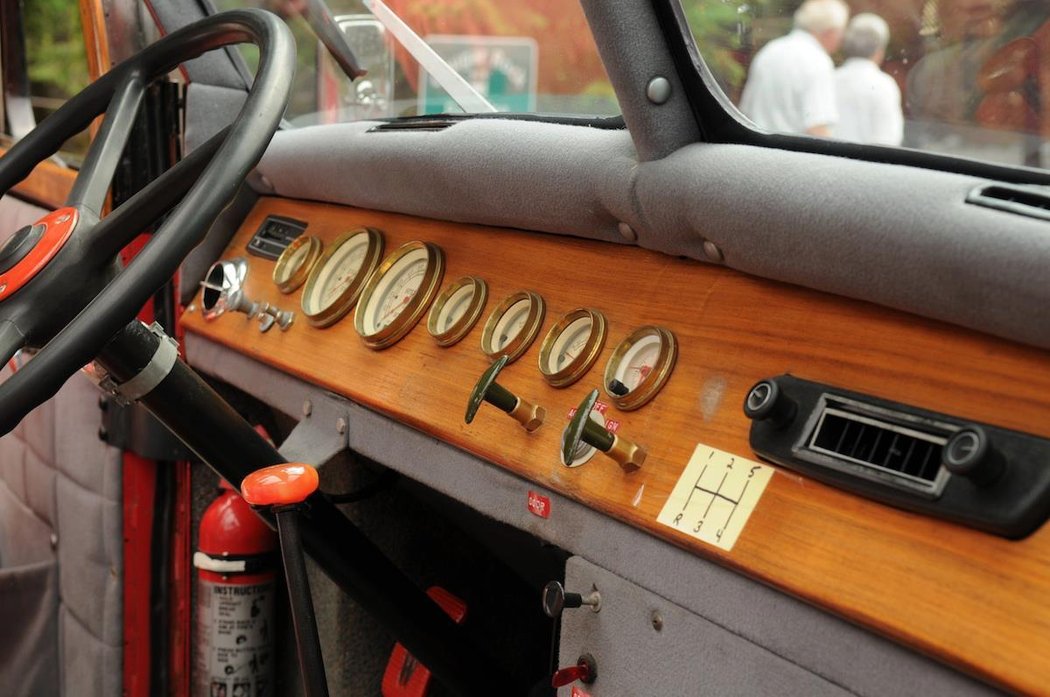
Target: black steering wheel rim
x,y
201,185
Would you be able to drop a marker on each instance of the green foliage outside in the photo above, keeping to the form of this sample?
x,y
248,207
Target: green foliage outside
x,y
57,63
724,28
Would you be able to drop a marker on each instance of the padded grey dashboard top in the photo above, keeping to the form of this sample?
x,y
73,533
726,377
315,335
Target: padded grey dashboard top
x,y
896,236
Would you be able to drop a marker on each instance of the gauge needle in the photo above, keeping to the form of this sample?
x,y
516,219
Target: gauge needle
x,y
395,309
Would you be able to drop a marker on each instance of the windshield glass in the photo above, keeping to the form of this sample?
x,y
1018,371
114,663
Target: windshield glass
x,y
961,77
526,56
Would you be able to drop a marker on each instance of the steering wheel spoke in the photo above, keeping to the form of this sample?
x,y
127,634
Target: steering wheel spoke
x,y
96,173
111,234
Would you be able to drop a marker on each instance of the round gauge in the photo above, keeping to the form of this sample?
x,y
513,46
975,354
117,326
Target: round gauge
x,y
640,366
398,293
338,277
457,310
513,325
572,346
295,263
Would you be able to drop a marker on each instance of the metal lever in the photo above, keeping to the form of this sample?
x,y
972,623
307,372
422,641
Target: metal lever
x,y
529,415
285,489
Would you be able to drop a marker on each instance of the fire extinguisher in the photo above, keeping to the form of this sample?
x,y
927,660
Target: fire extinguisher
x,y
236,581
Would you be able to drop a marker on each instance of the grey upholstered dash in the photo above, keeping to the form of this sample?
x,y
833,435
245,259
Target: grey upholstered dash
x,y
895,236
538,176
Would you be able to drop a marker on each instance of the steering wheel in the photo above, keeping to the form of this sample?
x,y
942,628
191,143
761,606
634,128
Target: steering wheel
x,y
61,286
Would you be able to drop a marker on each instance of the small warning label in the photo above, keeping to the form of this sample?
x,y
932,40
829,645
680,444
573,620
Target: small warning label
x,y
234,639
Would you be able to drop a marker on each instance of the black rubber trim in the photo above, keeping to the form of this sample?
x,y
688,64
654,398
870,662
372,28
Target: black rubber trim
x,y
719,121
438,122
1012,505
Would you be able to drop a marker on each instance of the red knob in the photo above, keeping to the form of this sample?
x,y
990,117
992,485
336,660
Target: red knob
x,y
279,485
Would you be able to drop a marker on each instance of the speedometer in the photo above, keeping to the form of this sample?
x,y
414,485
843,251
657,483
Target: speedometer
x,y
339,276
398,293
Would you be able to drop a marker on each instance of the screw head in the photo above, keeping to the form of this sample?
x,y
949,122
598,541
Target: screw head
x,y
713,252
308,407
627,232
657,620
658,90
340,425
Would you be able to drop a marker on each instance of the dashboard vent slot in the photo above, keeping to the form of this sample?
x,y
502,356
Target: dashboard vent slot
x,y
1032,201
878,444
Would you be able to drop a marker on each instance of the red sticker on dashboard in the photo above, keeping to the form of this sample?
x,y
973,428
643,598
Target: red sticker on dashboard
x,y
539,505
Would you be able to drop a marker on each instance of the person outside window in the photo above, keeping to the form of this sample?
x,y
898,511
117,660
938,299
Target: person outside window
x,y
791,83
869,100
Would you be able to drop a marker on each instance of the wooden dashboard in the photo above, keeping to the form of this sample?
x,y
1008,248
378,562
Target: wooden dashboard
x,y
971,599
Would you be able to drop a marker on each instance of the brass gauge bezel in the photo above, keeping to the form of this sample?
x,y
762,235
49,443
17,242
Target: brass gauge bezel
x,y
338,308
579,366
297,276
645,390
520,343
416,307
461,327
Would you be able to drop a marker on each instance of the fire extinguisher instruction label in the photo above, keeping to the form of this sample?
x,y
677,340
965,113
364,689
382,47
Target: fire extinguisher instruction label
x,y
235,625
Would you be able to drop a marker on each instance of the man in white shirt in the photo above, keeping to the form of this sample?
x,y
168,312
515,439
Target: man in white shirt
x,y
869,100
791,83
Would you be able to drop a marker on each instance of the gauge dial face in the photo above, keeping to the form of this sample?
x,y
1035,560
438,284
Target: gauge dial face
x,y
399,293
513,325
457,310
295,263
572,346
337,280
640,366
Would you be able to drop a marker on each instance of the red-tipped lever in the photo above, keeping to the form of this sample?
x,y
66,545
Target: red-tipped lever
x,y
284,489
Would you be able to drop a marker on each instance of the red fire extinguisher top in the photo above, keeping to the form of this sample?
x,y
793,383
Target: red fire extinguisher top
x,y
230,527
284,484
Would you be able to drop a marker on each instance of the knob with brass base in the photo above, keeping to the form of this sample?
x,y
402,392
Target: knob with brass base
x,y
530,416
629,456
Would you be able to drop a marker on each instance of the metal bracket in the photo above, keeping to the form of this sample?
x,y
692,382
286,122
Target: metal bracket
x,y
149,377
323,432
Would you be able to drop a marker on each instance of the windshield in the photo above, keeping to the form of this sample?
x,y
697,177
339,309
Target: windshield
x,y
525,56
960,77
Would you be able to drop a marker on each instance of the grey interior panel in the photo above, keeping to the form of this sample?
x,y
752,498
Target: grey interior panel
x,y
840,652
61,551
817,221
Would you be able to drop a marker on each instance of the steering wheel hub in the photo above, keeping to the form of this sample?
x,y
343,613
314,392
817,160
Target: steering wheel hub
x,y
30,249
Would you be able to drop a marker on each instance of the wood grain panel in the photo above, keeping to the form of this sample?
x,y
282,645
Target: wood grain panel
x,y
48,185
971,599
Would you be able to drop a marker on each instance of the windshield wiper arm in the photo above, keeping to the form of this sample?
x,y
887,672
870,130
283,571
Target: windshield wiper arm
x,y
319,17
461,91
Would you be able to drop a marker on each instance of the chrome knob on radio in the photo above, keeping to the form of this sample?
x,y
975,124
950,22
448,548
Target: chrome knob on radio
x,y
766,402
582,428
556,600
530,416
969,453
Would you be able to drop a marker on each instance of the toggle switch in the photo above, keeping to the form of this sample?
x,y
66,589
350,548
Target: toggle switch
x,y
530,416
270,315
556,600
585,671
582,428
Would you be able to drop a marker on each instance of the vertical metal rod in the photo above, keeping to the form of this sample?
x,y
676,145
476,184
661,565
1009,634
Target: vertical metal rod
x,y
311,663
